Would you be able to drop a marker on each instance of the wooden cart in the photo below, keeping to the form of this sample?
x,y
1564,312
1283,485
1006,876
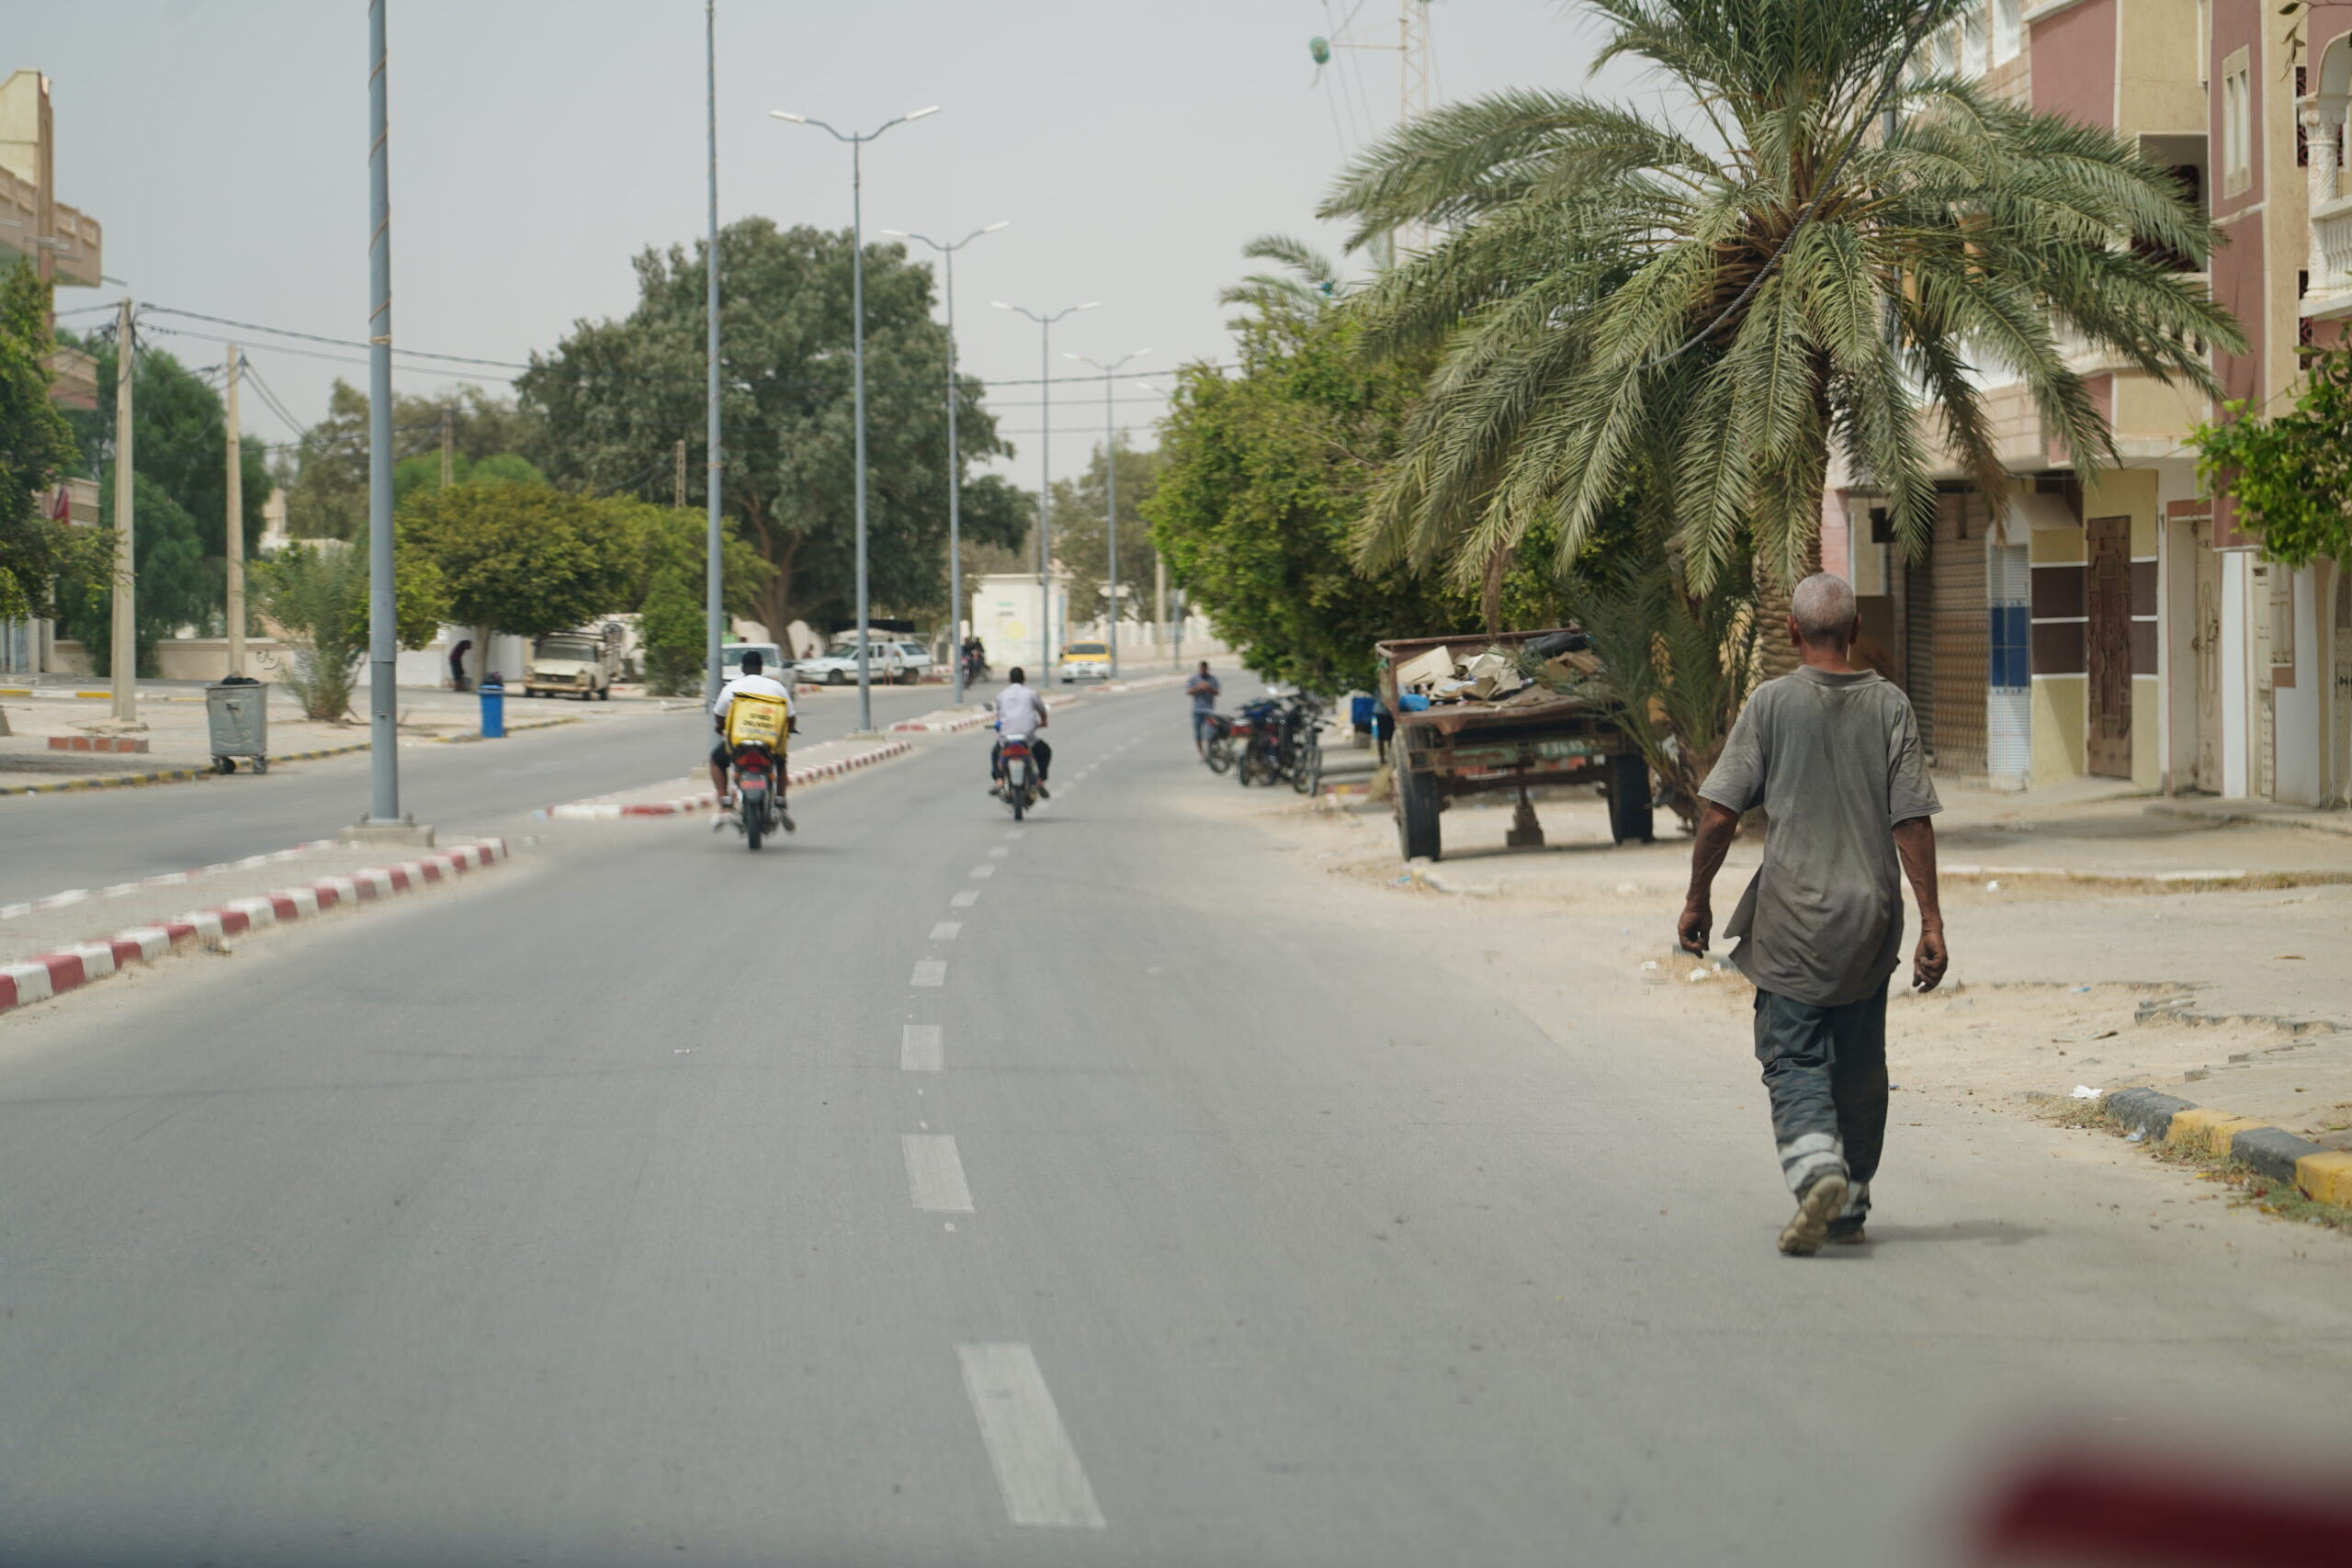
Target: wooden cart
x,y
1470,748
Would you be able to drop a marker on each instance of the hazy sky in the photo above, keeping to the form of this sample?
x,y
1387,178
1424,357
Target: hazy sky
x,y
538,146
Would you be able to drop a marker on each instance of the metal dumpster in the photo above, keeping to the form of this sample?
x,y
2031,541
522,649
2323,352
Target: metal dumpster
x,y
238,711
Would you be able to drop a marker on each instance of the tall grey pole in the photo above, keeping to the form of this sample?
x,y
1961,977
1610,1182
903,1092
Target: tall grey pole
x,y
713,610
954,452
1045,474
955,502
383,640
234,542
857,355
1111,486
123,649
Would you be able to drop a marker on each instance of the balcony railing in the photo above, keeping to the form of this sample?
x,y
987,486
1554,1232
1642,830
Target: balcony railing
x,y
2329,293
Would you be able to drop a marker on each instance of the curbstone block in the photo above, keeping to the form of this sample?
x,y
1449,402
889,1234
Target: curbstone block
x,y
2323,1174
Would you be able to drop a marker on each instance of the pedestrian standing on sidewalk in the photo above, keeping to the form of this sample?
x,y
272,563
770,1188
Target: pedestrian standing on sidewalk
x,y
1832,754
1203,689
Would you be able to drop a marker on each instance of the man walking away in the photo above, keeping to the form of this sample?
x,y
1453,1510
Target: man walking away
x,y
1832,755
1203,689
1020,713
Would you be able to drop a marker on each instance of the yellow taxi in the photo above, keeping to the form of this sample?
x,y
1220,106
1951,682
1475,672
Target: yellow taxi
x,y
1086,661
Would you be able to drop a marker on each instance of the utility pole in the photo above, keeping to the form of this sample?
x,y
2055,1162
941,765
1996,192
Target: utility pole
x,y
954,454
712,614
1160,604
1045,477
236,538
678,490
383,633
448,467
1111,487
124,649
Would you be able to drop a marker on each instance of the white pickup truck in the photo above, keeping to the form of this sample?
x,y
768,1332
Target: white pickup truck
x,y
572,664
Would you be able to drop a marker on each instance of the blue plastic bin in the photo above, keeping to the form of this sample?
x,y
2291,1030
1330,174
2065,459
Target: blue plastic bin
x,y
494,710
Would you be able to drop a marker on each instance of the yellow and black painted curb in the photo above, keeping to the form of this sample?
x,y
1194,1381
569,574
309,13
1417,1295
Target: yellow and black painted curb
x,y
511,729
2323,1174
165,776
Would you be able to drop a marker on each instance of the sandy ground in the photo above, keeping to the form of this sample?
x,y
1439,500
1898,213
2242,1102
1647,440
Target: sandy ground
x,y
2059,982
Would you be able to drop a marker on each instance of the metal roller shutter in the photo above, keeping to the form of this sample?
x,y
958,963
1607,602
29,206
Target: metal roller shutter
x,y
1961,633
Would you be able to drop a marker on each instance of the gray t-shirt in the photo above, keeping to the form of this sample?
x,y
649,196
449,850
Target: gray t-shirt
x,y
1835,761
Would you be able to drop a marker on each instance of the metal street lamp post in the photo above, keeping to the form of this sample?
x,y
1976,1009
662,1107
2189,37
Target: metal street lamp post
x,y
955,454
714,608
1111,486
1045,477
857,340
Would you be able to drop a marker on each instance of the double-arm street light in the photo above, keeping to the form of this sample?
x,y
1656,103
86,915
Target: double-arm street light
x,y
1045,477
1111,485
857,340
954,454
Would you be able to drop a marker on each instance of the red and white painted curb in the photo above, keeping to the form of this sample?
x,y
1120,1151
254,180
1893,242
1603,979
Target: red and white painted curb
x,y
168,879
942,724
687,805
49,974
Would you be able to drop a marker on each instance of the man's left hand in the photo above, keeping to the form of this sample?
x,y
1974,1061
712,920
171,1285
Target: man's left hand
x,y
1930,960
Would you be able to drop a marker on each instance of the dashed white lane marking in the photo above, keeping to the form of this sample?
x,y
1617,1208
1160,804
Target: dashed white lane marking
x,y
982,872
930,971
999,852
1036,1469
966,898
946,930
1016,832
922,1049
935,1174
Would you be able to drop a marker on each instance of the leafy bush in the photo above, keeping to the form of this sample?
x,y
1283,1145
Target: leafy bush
x,y
318,596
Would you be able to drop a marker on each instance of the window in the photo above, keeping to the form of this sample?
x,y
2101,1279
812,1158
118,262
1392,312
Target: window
x,y
2237,125
1972,61
2008,35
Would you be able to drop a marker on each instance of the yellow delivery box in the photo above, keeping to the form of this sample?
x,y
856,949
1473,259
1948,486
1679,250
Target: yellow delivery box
x,y
756,720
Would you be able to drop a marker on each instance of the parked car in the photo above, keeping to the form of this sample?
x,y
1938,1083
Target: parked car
x,y
1086,661
774,662
919,661
839,665
571,664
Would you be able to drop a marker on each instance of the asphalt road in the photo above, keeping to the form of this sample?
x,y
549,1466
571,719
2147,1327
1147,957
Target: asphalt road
x,y
930,1191
93,837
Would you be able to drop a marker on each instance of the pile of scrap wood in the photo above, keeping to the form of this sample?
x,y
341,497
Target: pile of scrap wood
x,y
1543,671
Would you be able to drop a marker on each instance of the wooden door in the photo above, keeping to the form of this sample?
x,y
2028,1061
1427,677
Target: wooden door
x,y
2107,646
2206,643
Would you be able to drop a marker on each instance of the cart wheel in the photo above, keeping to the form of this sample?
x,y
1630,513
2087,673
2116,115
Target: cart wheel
x,y
1629,798
224,765
1417,806
261,765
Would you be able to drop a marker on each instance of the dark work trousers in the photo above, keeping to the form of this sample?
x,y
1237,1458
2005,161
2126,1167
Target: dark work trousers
x,y
1038,750
1825,1069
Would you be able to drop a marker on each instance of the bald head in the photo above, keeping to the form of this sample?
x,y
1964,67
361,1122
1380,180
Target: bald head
x,y
1824,610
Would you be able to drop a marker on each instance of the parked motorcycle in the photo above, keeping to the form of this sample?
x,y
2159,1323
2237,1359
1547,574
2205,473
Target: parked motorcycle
x,y
1260,758
1216,742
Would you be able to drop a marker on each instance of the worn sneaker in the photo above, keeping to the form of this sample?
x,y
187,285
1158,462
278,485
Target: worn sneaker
x,y
1816,1206
1042,793
1848,1235
786,818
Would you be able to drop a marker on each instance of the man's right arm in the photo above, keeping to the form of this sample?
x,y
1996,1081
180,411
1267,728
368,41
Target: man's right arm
x,y
1718,825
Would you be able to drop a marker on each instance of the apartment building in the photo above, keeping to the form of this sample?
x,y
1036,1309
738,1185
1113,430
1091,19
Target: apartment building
x,y
2122,625
64,244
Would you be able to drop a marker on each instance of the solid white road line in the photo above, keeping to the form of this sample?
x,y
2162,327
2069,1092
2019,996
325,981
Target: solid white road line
x,y
930,972
946,930
935,1175
966,898
1036,1469
980,872
921,1049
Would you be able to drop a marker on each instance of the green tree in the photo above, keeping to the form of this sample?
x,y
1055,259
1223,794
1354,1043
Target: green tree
x,y
176,585
616,396
1311,285
2291,476
523,558
424,472
1082,534
1263,476
318,594
36,450
327,493
667,558
1615,304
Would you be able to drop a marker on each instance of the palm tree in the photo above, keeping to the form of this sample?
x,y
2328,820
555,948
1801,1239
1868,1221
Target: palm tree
x,y
1838,249
1312,284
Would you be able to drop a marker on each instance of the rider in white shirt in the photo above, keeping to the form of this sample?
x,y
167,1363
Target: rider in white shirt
x,y
1020,714
758,684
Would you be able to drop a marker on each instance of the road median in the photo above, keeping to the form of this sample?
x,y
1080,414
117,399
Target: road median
x,y
826,759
